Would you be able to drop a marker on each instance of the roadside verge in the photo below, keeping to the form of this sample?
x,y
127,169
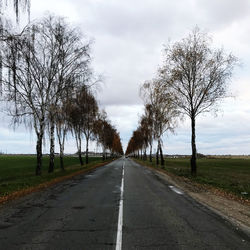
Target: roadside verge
x,y
46,184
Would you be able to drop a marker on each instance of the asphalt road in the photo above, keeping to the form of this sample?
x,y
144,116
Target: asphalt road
x,y
119,206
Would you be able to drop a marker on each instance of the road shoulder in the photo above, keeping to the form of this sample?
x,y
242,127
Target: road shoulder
x,y
233,211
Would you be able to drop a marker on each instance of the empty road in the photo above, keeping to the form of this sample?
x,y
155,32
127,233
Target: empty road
x,y
119,206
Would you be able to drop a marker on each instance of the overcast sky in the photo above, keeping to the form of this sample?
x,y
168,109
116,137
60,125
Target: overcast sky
x,y
128,41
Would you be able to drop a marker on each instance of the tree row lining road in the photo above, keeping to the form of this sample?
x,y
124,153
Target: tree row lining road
x,y
83,213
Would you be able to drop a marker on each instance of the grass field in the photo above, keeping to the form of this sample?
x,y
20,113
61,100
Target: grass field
x,y
230,174
18,172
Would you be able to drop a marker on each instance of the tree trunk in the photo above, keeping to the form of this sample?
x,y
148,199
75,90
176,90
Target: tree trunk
x,y
80,157
145,155
161,154
193,158
52,148
39,154
61,161
103,154
157,155
79,147
62,155
87,150
150,154
61,139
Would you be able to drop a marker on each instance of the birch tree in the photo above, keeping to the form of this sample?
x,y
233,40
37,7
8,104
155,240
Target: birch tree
x,y
62,127
26,85
198,76
4,33
163,111
148,128
72,69
75,119
89,110
107,135
101,125
43,65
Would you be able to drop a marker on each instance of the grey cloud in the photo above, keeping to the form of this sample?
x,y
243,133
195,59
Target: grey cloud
x,y
125,18
128,48
223,12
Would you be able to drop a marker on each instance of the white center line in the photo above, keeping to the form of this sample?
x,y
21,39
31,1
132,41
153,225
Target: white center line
x,y
176,190
120,216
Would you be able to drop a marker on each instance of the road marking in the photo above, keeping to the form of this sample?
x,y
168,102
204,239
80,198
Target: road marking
x,y
89,175
176,190
120,216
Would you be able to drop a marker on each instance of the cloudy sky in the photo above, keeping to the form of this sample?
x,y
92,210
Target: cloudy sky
x,y
128,40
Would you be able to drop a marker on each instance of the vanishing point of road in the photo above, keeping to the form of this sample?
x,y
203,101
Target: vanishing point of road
x,y
119,206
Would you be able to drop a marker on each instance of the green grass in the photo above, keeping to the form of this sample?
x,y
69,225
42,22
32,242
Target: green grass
x,y
232,175
18,172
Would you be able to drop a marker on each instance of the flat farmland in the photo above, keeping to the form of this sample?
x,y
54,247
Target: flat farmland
x,y
231,173
17,172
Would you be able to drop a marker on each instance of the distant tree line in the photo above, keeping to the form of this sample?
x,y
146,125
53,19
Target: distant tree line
x,y
47,81
192,80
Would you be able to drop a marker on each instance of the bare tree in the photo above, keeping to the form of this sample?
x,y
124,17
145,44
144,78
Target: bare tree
x,y
4,25
112,140
107,135
150,126
89,110
4,34
75,119
147,136
25,82
62,127
43,65
197,75
71,65
100,126
116,145
82,113
162,109
135,144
